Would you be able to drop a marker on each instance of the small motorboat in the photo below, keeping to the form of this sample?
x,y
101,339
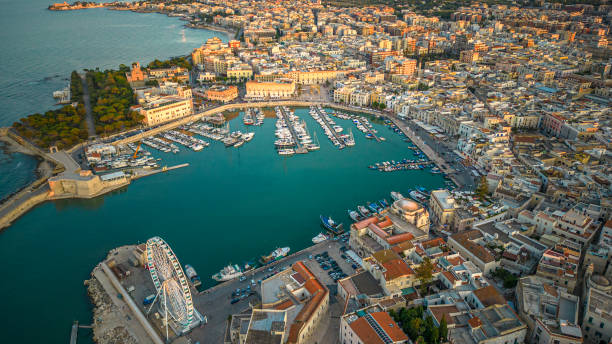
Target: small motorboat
x,y
355,215
364,211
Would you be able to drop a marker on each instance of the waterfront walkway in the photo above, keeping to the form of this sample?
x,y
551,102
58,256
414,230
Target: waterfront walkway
x,y
433,156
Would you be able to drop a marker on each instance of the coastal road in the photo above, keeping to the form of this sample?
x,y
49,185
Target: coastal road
x,y
91,127
445,151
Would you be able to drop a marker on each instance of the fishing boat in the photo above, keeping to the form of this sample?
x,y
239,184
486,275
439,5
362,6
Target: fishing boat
x,y
383,202
227,273
364,211
275,255
319,238
373,207
193,276
354,215
396,196
331,225
418,196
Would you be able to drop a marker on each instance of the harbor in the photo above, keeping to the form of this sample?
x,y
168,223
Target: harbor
x,y
200,203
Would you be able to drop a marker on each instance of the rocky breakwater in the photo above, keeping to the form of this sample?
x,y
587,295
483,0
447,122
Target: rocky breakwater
x,y
107,320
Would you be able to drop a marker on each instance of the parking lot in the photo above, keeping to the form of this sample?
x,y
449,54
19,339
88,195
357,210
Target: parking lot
x,y
232,297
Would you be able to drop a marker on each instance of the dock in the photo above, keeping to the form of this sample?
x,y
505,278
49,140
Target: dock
x,y
74,332
299,147
370,131
325,119
160,170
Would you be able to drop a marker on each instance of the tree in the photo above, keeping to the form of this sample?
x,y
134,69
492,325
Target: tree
x,y
428,332
443,329
424,273
483,188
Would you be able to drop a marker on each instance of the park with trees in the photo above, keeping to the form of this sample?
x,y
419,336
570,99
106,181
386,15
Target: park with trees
x,y
419,328
63,127
111,98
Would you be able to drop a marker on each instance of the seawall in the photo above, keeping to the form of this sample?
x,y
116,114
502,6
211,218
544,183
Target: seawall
x,y
21,208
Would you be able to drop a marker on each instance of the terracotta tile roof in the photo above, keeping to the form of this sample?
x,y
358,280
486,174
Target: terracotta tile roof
x,y
489,296
455,260
389,326
368,335
364,223
365,332
284,305
376,230
444,310
399,238
318,293
397,268
433,243
475,322
449,276
465,239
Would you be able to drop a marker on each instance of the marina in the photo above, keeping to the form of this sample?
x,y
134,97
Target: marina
x,y
331,129
362,124
291,133
190,216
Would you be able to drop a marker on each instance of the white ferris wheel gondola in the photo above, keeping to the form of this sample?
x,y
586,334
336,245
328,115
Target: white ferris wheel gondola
x,y
170,282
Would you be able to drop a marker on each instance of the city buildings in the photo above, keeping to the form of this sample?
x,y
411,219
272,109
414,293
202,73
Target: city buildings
x,y
164,104
370,325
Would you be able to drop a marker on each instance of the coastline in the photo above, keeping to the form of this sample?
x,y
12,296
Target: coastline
x,y
115,6
6,218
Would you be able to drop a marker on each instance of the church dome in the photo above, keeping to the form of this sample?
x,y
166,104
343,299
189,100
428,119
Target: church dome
x,y
408,205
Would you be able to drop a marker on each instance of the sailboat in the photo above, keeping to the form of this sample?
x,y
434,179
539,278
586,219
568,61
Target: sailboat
x,y
350,141
315,145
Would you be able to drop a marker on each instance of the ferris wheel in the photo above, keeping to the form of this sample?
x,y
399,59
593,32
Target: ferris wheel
x,y
170,282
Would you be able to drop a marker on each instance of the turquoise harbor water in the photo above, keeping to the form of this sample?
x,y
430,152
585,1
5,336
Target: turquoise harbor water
x,y
229,205
16,171
40,49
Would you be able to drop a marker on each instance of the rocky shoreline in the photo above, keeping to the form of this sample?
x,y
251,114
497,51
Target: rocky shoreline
x,y
105,314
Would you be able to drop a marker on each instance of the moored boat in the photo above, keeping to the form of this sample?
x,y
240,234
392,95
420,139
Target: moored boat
x,y
227,273
331,225
275,255
192,275
363,210
354,215
319,238
373,207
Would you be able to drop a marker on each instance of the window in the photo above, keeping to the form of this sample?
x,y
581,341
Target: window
x,y
591,320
